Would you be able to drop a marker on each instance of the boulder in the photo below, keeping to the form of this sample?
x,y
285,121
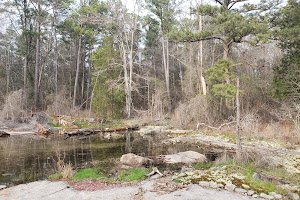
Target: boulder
x,y
186,157
133,160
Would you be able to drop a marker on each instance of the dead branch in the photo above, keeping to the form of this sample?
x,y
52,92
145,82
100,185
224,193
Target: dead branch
x,y
215,128
154,171
4,134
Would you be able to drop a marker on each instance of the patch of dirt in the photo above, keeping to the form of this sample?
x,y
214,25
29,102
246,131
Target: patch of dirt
x,y
93,185
166,186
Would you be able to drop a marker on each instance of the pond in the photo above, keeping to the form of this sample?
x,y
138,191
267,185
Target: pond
x,y
27,158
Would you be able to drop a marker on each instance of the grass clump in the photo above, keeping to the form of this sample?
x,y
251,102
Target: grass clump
x,y
93,173
81,123
133,174
56,176
88,173
202,165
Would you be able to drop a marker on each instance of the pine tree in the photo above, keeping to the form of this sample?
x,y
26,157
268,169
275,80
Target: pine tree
x,y
287,74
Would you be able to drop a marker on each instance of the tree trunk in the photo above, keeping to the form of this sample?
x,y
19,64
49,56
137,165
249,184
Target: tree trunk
x,y
166,70
238,125
37,60
83,81
7,67
56,59
77,72
200,56
226,47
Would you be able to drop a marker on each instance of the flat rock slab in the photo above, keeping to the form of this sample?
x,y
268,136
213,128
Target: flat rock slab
x,y
48,190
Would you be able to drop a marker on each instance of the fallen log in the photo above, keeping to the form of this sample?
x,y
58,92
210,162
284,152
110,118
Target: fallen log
x,y
4,134
87,131
130,128
81,132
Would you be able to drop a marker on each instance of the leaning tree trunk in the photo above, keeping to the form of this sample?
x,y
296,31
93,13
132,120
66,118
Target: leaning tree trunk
x,y
126,80
77,72
88,98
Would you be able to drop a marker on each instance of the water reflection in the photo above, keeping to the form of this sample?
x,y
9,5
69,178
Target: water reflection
x,y
25,158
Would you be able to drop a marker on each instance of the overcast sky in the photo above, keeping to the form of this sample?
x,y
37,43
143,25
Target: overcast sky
x,y
130,4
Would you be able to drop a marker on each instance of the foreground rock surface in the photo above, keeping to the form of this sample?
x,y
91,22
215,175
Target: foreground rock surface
x,y
185,157
47,190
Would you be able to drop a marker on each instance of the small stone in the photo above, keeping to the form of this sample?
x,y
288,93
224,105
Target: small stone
x,y
294,196
155,176
272,193
240,190
125,167
255,176
275,195
214,168
230,187
204,183
263,195
255,196
2,187
186,169
213,185
247,187
250,192
174,177
189,173
181,175
278,196
220,185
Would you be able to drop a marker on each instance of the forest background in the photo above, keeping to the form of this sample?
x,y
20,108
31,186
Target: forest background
x,y
158,61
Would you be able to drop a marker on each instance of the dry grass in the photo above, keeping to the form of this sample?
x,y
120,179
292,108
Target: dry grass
x,y
64,169
188,114
286,129
67,171
13,108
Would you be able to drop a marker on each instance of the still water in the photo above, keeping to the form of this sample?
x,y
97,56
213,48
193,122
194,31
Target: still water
x,y
27,158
